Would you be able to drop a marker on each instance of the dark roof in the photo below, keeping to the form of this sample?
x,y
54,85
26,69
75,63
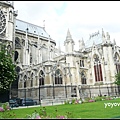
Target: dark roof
x,y
94,39
33,29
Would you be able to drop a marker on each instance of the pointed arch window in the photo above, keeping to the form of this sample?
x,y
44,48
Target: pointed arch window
x,y
81,63
31,80
58,77
41,78
25,79
30,58
83,78
97,69
17,43
9,49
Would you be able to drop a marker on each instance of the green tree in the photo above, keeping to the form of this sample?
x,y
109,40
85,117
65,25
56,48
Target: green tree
x,y
117,79
7,70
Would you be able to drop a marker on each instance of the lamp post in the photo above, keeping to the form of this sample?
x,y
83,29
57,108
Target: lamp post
x,y
24,80
79,87
108,90
53,89
70,82
10,93
65,80
115,90
100,91
65,89
89,91
53,86
39,94
25,89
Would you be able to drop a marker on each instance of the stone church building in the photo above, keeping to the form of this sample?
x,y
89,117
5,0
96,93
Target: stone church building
x,y
46,72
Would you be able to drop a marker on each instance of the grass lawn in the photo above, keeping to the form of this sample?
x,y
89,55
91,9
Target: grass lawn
x,y
84,110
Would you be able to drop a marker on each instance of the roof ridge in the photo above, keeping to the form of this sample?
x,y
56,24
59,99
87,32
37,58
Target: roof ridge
x,y
29,23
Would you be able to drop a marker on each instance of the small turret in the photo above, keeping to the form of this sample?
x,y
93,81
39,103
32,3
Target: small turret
x,y
103,34
108,38
81,44
68,37
114,42
69,43
59,48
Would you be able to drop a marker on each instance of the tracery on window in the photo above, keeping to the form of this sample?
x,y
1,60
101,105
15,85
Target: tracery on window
x,y
97,69
17,42
58,77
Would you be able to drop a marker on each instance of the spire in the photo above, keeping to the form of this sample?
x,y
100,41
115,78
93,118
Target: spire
x,y
81,44
108,36
69,43
44,24
68,35
114,42
13,3
103,34
59,48
38,39
93,43
49,48
26,40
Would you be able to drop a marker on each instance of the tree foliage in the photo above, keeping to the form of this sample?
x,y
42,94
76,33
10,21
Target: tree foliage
x,y
7,70
117,79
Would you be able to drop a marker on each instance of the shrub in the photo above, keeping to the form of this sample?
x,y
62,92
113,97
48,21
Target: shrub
x,y
1,104
73,101
86,100
43,114
1,109
98,98
109,98
8,73
91,100
6,111
67,102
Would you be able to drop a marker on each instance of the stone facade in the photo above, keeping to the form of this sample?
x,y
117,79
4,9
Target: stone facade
x,y
47,72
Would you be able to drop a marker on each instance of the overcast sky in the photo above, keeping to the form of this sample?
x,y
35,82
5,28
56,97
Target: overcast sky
x,y
81,17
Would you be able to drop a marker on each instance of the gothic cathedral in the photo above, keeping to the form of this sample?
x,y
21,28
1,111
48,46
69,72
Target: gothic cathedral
x,y
46,72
